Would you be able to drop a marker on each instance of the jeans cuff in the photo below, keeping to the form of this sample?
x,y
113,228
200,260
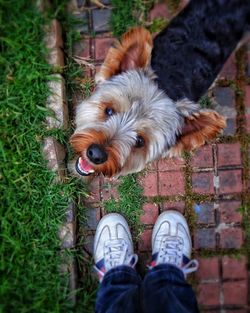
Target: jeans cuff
x,y
120,272
168,270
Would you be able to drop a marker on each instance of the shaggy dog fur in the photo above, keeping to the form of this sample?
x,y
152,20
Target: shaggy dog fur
x,y
144,109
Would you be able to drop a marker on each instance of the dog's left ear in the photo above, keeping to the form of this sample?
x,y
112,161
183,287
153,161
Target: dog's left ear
x,y
200,126
132,52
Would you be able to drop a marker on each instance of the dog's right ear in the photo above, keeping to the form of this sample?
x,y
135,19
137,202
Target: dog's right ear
x,y
132,52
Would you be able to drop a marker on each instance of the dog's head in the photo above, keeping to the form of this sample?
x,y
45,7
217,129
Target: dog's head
x,y
128,121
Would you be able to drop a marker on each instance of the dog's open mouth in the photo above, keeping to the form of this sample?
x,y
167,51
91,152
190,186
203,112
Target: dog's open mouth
x,y
83,167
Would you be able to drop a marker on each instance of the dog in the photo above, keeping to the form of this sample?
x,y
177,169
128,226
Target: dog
x,y
145,104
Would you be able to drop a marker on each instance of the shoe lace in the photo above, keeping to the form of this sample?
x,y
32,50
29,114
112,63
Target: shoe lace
x,y
115,254
171,253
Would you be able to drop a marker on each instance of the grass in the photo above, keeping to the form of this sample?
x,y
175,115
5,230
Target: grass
x,y
130,202
32,206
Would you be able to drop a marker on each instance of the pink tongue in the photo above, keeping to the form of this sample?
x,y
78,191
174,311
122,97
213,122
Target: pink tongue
x,y
85,165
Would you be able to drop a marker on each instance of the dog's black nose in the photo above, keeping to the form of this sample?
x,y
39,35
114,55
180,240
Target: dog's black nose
x,y
97,154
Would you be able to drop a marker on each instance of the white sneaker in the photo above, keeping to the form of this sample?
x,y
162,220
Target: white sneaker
x,y
113,244
171,242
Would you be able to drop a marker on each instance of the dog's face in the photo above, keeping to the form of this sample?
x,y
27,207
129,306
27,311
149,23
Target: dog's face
x,y
129,121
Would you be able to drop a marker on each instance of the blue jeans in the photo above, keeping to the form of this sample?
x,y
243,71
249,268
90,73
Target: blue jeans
x,y
164,289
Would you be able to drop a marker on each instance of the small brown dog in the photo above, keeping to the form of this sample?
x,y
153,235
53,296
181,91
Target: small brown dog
x,y
129,121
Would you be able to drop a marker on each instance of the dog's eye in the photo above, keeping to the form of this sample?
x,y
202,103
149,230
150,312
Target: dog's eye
x,y
140,142
109,111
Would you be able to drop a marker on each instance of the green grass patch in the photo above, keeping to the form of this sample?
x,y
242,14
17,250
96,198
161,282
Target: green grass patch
x,y
32,206
129,204
124,16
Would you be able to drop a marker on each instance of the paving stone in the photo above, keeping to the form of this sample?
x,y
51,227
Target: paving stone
x,y
94,190
203,157
229,211
151,212
53,38
56,102
82,48
248,123
231,128
89,243
159,10
203,182
224,96
233,268
230,181
171,183
204,212
229,69
247,98
179,206
231,238
102,46
67,235
209,294
173,164
149,184
229,154
93,216
208,269
106,2
82,24
55,58
235,293
204,238
153,166
109,190
145,240
70,215
55,155
101,20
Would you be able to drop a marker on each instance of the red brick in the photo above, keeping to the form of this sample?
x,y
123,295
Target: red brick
x,y
93,216
231,238
145,240
230,181
94,188
153,166
172,205
208,269
248,123
209,294
173,164
171,183
82,49
247,97
204,212
149,184
235,293
225,96
102,46
159,10
233,268
229,69
109,190
204,238
203,157
151,212
203,183
230,129
229,211
229,154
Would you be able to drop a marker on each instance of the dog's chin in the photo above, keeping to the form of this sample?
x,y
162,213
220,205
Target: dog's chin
x,y
83,167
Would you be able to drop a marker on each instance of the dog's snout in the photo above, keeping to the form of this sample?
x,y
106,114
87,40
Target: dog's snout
x,y
97,154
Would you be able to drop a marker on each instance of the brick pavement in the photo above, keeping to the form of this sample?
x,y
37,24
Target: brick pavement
x,y
209,186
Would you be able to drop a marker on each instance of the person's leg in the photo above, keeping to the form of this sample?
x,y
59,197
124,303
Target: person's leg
x,y
164,288
114,263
